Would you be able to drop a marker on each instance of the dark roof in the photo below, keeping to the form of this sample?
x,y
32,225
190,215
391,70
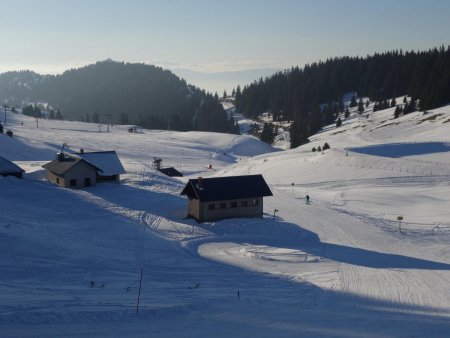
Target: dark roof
x,y
62,165
8,167
227,188
172,172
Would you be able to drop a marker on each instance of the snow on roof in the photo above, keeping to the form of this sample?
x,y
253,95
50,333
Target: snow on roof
x,y
108,162
8,167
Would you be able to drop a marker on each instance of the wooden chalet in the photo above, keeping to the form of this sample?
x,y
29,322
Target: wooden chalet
x,y
83,169
71,172
217,198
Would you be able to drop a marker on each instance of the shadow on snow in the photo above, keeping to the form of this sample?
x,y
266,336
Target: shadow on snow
x,y
278,306
396,150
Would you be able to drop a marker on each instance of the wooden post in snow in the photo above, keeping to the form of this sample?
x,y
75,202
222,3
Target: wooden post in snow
x,y
400,219
274,211
139,293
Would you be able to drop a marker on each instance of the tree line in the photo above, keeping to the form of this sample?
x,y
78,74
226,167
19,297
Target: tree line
x,y
128,93
311,97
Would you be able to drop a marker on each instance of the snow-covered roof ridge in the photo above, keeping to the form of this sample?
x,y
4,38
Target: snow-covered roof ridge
x,y
8,167
108,161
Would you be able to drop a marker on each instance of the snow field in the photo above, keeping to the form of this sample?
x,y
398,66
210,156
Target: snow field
x,y
339,267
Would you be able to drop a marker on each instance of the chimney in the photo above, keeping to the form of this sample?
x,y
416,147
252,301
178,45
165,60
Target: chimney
x,y
199,184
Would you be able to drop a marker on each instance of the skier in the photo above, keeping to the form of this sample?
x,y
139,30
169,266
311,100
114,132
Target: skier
x,y
307,199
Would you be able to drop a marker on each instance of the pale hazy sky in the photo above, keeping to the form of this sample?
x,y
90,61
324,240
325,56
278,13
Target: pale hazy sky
x,y
50,36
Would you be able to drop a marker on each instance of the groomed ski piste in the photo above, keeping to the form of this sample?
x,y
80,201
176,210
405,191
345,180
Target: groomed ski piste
x,y
342,266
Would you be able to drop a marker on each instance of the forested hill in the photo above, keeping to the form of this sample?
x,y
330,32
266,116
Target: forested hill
x,y
296,94
131,93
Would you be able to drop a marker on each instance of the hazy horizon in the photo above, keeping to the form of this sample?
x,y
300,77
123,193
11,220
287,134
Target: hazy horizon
x,y
206,37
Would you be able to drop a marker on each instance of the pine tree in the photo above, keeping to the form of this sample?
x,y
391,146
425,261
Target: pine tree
x,y
238,97
341,104
393,102
397,112
410,107
353,101
316,121
237,129
338,122
347,113
124,119
58,115
406,108
267,134
360,106
37,112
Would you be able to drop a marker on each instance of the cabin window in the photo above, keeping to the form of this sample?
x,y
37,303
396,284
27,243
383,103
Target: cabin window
x,y
73,183
223,205
244,204
211,206
254,203
233,204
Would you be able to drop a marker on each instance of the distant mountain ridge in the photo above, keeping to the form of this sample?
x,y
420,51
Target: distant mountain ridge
x,y
130,93
224,80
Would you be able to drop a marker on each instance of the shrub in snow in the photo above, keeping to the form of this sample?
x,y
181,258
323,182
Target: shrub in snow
x,y
314,149
326,146
9,133
347,113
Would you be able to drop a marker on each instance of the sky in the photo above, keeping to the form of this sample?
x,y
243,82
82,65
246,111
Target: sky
x,y
50,36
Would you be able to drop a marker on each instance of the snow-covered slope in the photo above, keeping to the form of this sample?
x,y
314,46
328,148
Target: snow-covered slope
x,y
340,267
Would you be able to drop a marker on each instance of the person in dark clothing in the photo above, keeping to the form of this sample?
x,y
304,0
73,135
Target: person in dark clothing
x,y
307,199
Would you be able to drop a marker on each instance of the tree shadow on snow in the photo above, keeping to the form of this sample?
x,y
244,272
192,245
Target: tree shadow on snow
x,y
144,198
396,150
257,231
291,236
269,306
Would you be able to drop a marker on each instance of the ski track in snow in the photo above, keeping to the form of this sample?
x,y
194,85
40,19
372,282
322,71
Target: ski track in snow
x,y
338,267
